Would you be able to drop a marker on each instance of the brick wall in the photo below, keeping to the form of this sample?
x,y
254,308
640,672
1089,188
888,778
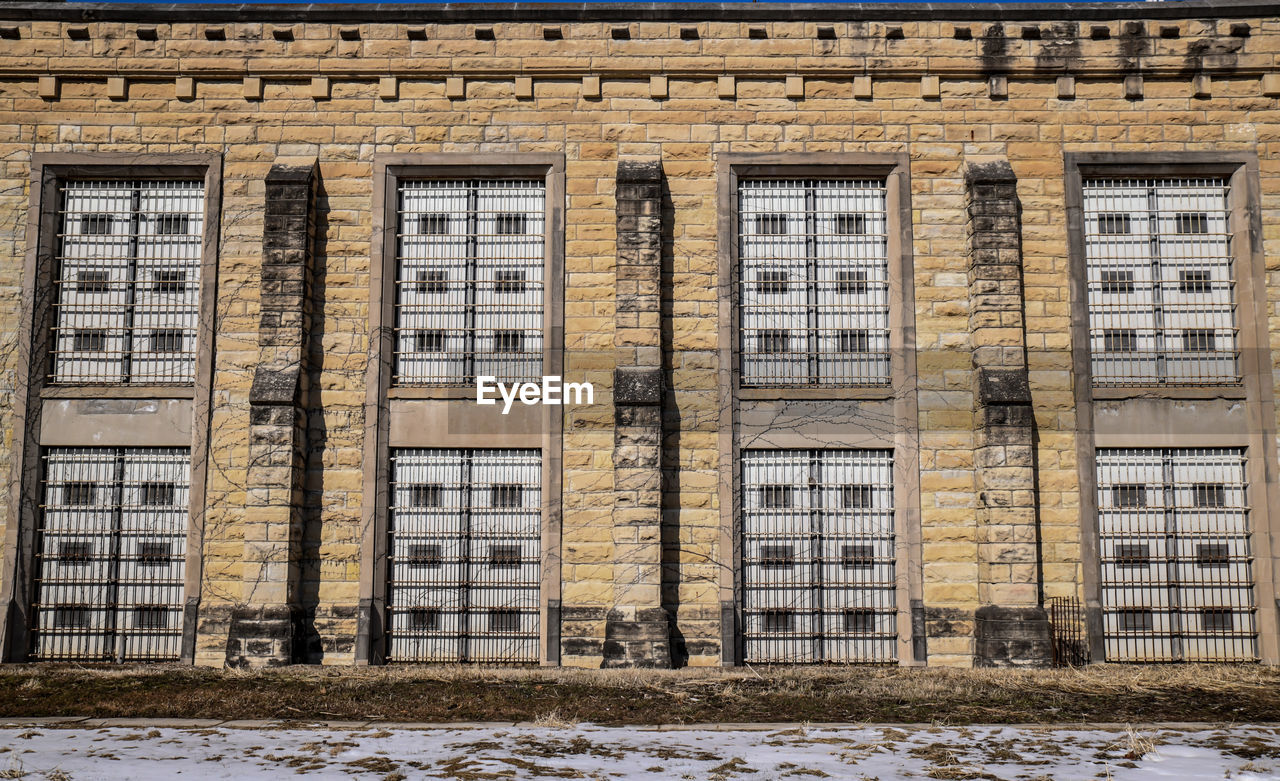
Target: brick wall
x,y
872,86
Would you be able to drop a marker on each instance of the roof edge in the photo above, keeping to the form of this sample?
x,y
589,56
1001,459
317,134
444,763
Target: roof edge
x,y
632,12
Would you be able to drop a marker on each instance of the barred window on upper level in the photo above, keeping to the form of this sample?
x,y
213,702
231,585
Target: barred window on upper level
x,y
1161,282
127,282
469,281
813,282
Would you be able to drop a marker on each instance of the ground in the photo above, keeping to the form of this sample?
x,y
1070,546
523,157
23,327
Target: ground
x,y
1096,694
142,752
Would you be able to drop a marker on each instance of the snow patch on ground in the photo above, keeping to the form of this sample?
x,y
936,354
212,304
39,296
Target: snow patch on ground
x,y
1240,752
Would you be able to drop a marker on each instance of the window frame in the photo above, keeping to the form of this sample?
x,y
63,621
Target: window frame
x,y
447,416
1199,416
740,429
34,390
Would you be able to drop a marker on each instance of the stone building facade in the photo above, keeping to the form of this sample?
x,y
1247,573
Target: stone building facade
x,y
907,326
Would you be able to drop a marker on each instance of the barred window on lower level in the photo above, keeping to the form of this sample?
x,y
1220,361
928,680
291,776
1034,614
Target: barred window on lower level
x,y
111,554
813,282
469,281
818,556
127,282
1174,542
466,556
1161,282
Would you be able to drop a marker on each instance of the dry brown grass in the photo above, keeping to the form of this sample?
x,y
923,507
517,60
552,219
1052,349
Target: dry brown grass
x,y
1109,693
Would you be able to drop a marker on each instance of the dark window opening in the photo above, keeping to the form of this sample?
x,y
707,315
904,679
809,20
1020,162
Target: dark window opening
x,y
93,282
1217,619
512,224
771,224
771,282
504,557
172,224
504,620
1129,496
856,497
1137,620
76,554
1199,340
775,496
777,621
1119,340
433,224
851,224
153,554
852,282
507,282
777,557
89,340
424,619
166,340
1213,555
428,341
432,283
169,281
860,620
857,557
96,224
1133,556
431,495
508,341
1191,222
1113,224
1117,282
857,341
1209,495
775,342
71,617
151,617
157,494
425,556
1195,281
79,494
506,495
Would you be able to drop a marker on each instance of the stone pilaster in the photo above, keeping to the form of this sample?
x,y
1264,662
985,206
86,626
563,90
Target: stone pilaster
x,y
1011,627
263,624
636,627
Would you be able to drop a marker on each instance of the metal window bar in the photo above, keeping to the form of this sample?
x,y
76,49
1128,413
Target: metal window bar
x,y
1175,556
111,554
465,556
469,274
813,282
1161,282
127,282
1067,634
818,556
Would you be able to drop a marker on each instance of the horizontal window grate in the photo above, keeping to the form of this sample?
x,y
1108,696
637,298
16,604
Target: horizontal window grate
x,y
813,285
1177,569
127,282
111,554
466,561
469,281
1161,282
818,556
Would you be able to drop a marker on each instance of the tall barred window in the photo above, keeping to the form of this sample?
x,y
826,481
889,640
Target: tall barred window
x,y
469,281
818,556
813,287
466,558
1177,581
1161,282
111,553
128,282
